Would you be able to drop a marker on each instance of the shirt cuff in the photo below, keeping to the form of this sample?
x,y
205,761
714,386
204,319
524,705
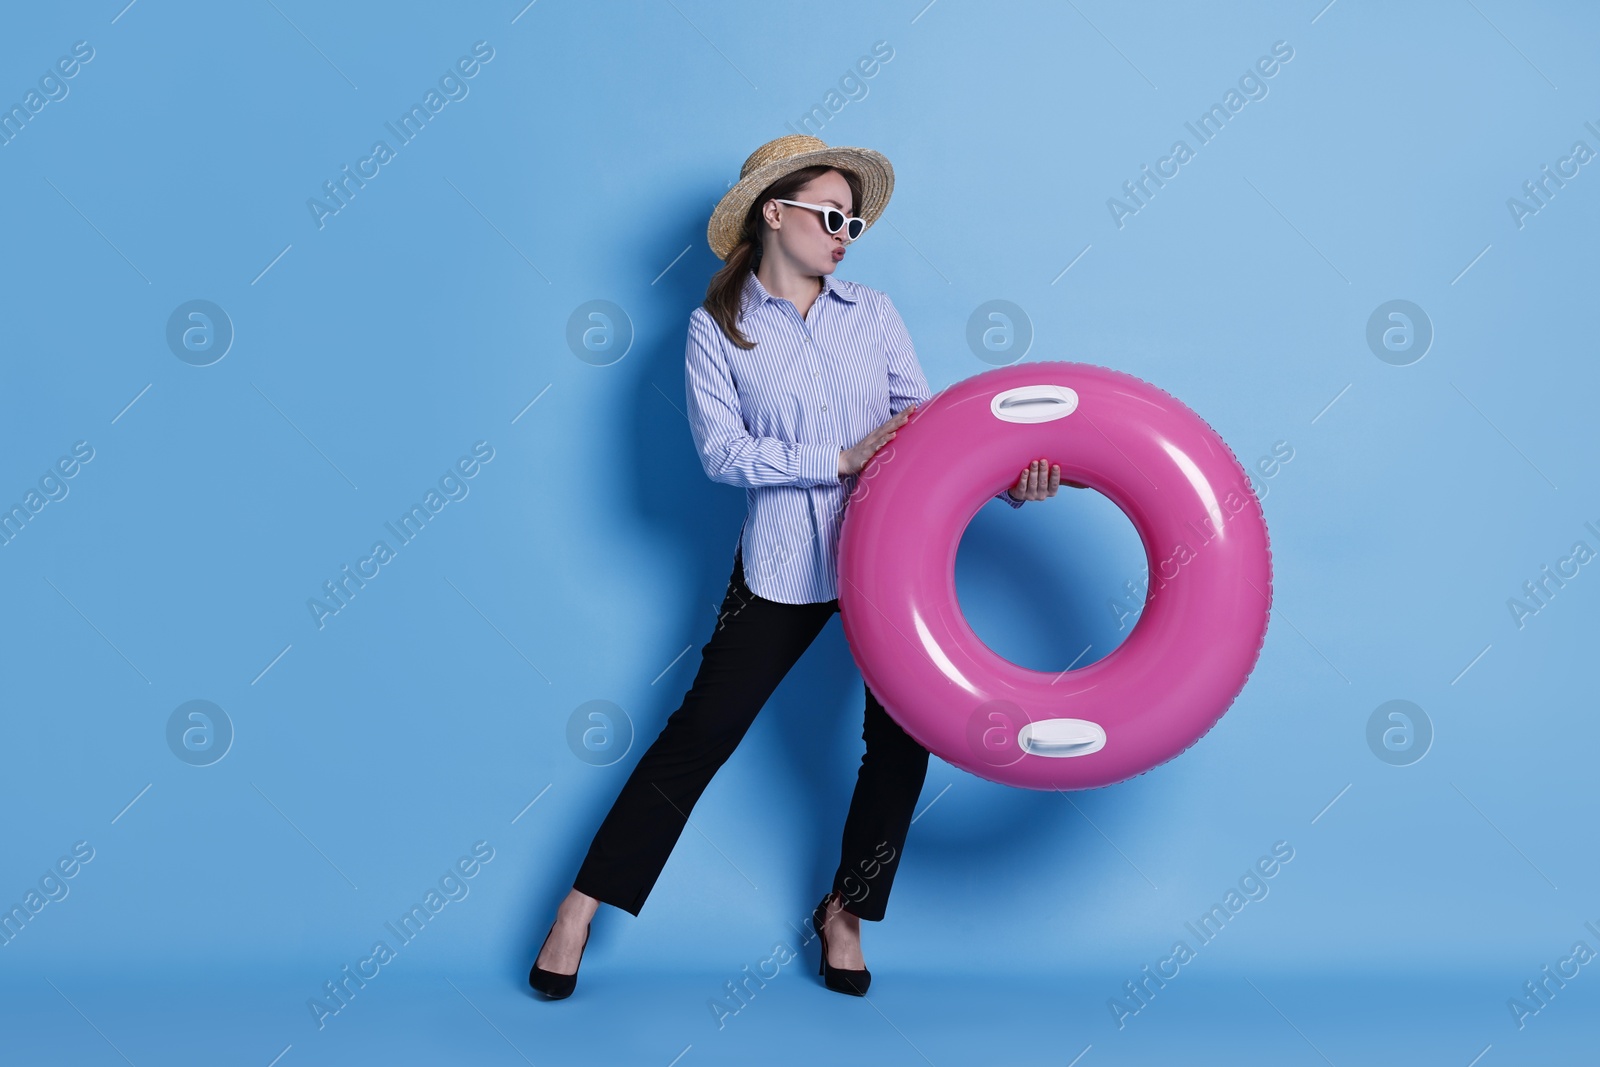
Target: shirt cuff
x,y
817,464
1005,494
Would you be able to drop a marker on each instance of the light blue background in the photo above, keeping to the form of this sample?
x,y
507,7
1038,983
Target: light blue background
x,y
586,561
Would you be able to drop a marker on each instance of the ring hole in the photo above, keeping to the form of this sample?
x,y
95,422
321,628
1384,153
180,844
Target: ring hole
x,y
1054,585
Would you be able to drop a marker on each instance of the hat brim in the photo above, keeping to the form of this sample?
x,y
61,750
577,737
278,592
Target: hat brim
x,y
872,167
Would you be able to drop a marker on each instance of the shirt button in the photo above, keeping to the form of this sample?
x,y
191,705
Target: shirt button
x,y
824,407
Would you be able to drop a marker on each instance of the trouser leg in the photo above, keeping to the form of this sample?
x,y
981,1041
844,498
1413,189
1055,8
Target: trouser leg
x,y
754,644
888,784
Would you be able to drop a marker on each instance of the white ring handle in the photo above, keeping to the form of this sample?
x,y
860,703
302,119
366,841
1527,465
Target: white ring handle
x,y
1061,737
1034,403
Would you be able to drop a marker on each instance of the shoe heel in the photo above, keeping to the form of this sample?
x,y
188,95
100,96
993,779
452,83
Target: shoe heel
x,y
853,981
553,985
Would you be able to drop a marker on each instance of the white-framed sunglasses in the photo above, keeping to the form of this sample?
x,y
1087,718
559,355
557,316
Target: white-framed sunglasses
x,y
833,220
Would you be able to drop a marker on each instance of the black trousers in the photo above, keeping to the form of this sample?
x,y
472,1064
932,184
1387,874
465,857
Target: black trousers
x,y
755,643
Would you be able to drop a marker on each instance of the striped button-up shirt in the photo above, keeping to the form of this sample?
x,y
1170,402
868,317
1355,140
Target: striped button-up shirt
x,y
774,418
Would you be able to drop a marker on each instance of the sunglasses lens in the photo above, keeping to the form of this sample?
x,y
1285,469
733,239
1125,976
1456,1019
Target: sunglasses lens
x,y
856,226
832,219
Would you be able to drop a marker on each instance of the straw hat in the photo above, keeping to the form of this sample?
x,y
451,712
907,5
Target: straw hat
x,y
784,156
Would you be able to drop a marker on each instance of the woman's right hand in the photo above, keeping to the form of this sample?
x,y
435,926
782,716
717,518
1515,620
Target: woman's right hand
x,y
852,460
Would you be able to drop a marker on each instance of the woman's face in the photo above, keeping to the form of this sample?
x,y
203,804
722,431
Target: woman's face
x,y
800,233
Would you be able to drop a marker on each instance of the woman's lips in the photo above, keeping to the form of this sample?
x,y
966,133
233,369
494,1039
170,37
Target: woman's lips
x,y
838,254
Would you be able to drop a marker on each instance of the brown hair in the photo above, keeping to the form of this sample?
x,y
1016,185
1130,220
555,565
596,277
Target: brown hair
x,y
722,294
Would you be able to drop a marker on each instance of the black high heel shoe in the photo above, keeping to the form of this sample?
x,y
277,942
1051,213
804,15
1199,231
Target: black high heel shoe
x,y
838,979
553,985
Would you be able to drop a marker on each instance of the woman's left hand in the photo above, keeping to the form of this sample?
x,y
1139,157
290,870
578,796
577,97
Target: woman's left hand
x,y
1039,480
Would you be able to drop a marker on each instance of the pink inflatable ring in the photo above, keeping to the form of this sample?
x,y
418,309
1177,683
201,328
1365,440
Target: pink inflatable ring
x,y
1206,607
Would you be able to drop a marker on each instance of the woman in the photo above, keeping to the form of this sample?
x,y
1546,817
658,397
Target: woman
x,y
784,364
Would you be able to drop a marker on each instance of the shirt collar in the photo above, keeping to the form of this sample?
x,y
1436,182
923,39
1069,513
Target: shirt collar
x,y
755,294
